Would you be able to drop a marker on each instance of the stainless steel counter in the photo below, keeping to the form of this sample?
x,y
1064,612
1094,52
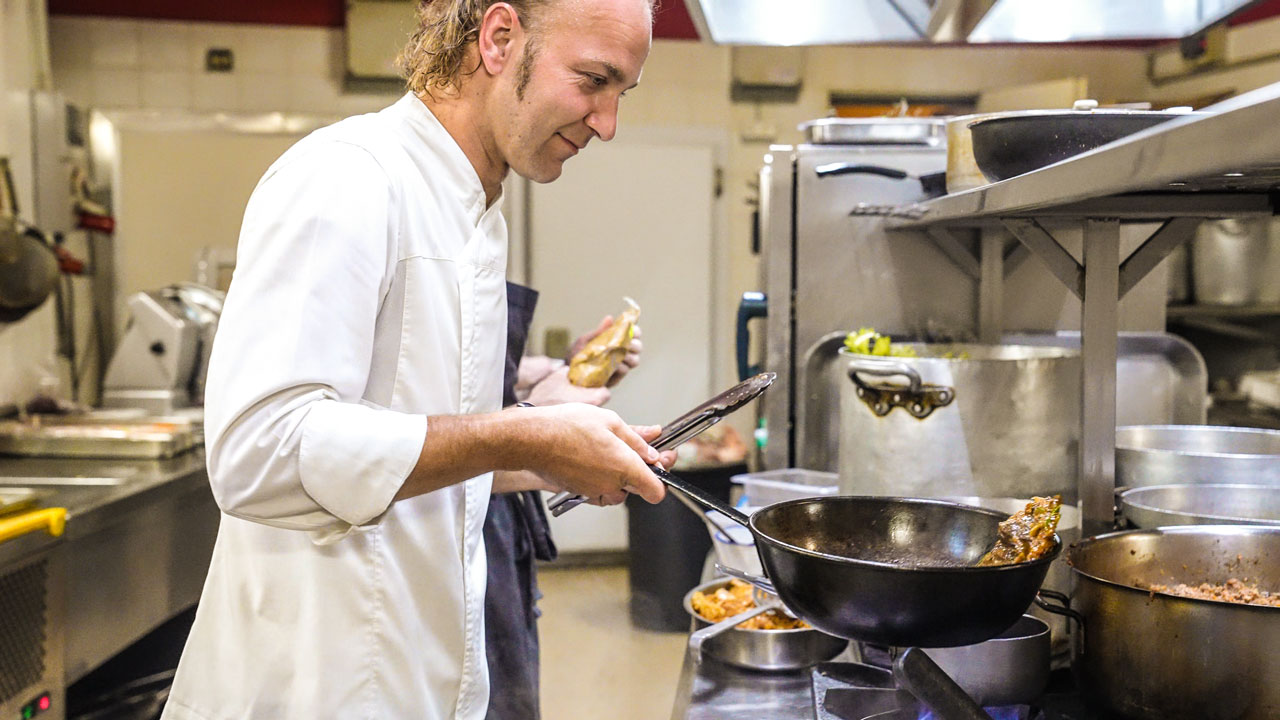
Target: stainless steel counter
x,y
138,540
711,690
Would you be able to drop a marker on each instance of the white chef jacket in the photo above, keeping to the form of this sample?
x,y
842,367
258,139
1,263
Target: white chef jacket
x,y
368,294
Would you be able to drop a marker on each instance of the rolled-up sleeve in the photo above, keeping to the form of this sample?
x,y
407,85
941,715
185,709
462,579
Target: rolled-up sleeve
x,y
291,440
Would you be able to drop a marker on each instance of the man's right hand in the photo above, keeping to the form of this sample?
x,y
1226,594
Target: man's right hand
x,y
589,451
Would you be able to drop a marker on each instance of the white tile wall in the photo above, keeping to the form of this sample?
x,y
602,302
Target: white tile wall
x,y
114,63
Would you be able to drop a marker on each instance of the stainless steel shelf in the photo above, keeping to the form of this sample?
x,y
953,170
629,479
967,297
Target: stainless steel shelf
x,y
1225,164
1176,312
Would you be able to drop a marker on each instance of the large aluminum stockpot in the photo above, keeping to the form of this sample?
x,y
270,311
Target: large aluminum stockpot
x,y
1155,656
961,419
1190,454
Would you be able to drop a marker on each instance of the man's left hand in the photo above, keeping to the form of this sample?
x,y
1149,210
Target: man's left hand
x,y
629,361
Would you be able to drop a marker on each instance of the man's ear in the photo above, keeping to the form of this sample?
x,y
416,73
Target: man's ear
x,y
500,31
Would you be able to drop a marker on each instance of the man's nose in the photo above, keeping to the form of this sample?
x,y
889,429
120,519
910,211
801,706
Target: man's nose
x,y
603,119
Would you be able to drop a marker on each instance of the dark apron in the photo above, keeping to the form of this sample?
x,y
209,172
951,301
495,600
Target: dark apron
x,y
516,534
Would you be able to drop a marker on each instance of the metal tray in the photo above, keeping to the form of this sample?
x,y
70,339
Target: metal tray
x,y
64,439
875,131
13,499
1160,380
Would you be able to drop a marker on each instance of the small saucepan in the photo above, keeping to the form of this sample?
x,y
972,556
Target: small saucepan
x,y
884,570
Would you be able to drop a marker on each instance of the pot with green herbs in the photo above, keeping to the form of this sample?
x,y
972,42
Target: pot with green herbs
x,y
944,419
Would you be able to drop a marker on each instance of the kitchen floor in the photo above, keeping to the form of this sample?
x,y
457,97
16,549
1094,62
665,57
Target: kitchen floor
x,y
595,664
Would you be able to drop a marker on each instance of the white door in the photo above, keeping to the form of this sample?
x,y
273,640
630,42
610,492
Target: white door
x,y
629,218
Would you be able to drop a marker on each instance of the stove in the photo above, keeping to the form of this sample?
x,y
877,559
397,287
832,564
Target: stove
x,y
864,691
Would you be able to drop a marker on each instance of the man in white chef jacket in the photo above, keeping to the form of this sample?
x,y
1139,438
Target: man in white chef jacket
x,y
353,416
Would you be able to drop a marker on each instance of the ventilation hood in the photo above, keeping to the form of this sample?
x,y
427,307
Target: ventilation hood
x,y
842,22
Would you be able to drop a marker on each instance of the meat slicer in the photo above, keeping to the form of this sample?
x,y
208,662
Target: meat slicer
x,y
161,362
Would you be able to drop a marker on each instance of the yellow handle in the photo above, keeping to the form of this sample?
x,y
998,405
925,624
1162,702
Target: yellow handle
x,y
52,519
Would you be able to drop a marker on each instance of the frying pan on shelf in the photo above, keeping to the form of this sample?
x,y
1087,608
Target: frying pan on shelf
x,y
28,265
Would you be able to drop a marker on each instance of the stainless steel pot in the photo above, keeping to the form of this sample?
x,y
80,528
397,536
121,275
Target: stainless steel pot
x,y
1211,504
1010,427
1195,454
1236,262
1009,669
764,649
1154,656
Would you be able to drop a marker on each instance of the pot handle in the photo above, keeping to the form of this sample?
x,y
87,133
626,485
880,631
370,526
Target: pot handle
x,y
1064,609
761,583
872,365
848,168
917,398
698,638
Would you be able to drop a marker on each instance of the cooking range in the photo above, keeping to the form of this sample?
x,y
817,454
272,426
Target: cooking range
x,y
844,691
864,691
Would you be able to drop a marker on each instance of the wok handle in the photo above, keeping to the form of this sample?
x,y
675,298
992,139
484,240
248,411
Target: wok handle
x,y
922,677
703,498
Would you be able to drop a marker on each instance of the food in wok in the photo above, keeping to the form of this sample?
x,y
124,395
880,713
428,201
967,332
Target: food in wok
x,y
595,363
735,599
1028,534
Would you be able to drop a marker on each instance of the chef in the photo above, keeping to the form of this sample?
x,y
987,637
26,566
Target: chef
x,y
353,407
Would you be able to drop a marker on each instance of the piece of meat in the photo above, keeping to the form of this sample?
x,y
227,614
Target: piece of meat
x,y
1027,534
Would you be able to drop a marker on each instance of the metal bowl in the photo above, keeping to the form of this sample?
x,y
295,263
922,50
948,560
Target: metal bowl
x,y
1196,455
1009,669
764,649
1212,504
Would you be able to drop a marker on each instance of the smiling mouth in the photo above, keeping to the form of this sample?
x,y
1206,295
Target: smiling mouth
x,y
572,144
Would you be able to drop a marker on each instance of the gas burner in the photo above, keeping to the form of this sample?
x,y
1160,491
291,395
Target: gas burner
x,y
854,691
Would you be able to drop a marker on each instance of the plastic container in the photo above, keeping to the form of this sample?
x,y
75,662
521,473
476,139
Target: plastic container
x,y
761,489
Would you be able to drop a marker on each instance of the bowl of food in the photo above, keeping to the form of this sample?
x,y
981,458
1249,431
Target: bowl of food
x,y
772,640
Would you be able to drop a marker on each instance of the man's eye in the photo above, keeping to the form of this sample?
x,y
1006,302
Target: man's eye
x,y
596,80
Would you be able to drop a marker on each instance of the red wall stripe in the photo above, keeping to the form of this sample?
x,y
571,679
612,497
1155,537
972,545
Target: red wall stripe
x,y
671,22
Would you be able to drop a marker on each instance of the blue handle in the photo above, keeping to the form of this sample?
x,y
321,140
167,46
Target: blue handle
x,y
753,305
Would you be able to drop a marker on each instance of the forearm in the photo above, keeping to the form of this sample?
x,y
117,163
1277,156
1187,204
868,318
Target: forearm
x,y
460,447
505,481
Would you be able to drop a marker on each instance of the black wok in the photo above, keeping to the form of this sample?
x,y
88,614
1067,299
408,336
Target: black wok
x,y
892,571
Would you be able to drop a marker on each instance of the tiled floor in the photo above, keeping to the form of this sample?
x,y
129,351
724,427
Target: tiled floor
x,y
595,664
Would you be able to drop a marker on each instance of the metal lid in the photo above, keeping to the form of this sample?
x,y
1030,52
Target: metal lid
x,y
876,131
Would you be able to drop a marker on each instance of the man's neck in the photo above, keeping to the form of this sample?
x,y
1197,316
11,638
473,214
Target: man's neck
x,y
463,120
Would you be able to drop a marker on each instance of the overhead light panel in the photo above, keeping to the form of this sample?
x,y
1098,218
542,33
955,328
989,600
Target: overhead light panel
x,y
854,22
810,22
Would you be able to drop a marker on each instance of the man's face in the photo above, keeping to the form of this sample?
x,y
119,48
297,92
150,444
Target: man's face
x,y
565,87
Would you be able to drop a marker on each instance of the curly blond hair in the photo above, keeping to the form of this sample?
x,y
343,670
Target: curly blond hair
x,y
433,58
446,29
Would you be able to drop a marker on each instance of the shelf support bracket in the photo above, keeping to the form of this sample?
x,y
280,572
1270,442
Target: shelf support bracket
x,y
1055,257
991,287
1148,255
955,251
1099,329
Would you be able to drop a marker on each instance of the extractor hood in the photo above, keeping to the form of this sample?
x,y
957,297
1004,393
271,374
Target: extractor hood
x,y
841,22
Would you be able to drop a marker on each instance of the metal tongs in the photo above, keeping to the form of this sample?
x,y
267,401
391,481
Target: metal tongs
x,y
686,427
